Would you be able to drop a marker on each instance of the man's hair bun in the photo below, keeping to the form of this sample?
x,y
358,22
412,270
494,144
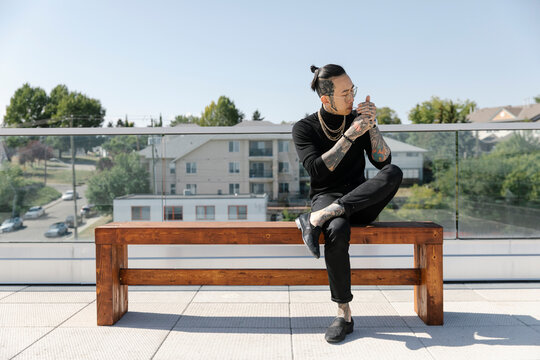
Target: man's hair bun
x,y
314,68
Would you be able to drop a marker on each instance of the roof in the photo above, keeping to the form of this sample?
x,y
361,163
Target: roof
x,y
519,113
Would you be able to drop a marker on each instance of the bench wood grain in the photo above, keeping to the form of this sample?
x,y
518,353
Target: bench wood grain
x,y
113,275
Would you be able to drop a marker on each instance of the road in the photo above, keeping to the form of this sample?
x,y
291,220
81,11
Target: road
x,y
34,229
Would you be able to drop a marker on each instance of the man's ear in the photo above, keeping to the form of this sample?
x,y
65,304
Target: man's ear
x,y
325,99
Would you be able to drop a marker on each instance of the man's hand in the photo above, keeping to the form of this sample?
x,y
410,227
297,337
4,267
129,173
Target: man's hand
x,y
364,121
367,109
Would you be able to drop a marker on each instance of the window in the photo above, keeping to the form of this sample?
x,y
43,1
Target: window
x,y
283,187
234,189
191,168
411,174
237,212
205,212
234,167
172,213
412,154
257,188
234,146
283,167
172,168
140,213
191,189
283,146
260,148
303,171
173,189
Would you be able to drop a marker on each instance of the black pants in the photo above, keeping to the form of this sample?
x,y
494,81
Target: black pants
x,y
362,206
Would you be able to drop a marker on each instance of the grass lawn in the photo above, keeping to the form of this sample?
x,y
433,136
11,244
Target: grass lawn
x,y
57,175
81,159
88,233
41,196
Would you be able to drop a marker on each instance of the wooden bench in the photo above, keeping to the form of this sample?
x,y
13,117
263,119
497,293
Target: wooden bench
x,y
113,275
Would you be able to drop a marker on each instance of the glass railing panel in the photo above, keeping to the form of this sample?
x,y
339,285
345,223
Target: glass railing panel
x,y
499,184
201,177
428,189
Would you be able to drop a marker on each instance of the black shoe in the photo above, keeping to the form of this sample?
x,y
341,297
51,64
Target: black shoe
x,y
339,330
310,234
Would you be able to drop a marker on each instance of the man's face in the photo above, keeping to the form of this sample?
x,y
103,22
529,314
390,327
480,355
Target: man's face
x,y
341,102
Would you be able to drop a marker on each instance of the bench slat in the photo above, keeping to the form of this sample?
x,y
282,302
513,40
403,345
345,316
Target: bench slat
x,y
264,277
250,233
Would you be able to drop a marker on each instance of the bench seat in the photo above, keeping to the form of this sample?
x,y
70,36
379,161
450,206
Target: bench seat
x,y
113,275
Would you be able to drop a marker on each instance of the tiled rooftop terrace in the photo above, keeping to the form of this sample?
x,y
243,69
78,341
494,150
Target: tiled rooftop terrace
x,y
482,321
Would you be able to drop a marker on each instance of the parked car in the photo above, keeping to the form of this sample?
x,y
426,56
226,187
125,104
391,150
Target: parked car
x,y
34,212
68,195
88,211
70,221
11,224
57,229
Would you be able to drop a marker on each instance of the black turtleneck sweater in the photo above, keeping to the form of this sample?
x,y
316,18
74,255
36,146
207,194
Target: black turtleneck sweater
x,y
311,143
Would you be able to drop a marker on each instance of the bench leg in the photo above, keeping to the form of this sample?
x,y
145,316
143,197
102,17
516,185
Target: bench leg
x,y
428,296
111,296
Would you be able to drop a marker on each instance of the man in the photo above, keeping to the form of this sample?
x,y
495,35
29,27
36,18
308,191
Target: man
x,y
331,144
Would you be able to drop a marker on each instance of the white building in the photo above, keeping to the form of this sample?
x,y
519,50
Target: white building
x,y
264,163
190,208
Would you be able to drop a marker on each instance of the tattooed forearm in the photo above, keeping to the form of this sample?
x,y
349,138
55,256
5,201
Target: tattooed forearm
x,y
333,157
379,149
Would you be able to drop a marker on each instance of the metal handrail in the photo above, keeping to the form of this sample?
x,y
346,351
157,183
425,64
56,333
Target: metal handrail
x,y
262,129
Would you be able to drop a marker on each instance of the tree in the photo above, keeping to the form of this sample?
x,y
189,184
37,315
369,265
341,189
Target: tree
x,y
34,150
11,188
257,116
73,109
537,99
57,94
31,107
27,107
385,115
123,144
185,119
127,176
78,110
437,111
517,144
224,113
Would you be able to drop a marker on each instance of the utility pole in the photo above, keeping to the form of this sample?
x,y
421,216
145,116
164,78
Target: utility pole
x,y
75,222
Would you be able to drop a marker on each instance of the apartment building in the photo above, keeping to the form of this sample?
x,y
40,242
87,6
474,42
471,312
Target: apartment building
x,y
190,208
252,163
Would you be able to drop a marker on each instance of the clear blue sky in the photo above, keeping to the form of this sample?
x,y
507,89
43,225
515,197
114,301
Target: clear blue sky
x,y
143,58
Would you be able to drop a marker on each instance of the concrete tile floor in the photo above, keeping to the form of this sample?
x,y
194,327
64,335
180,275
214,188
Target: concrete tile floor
x,y
482,321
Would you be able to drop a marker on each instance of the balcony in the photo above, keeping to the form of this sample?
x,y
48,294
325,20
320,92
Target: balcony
x,y
260,152
260,173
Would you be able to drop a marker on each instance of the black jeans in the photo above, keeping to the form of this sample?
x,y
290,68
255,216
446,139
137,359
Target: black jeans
x,y
362,206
